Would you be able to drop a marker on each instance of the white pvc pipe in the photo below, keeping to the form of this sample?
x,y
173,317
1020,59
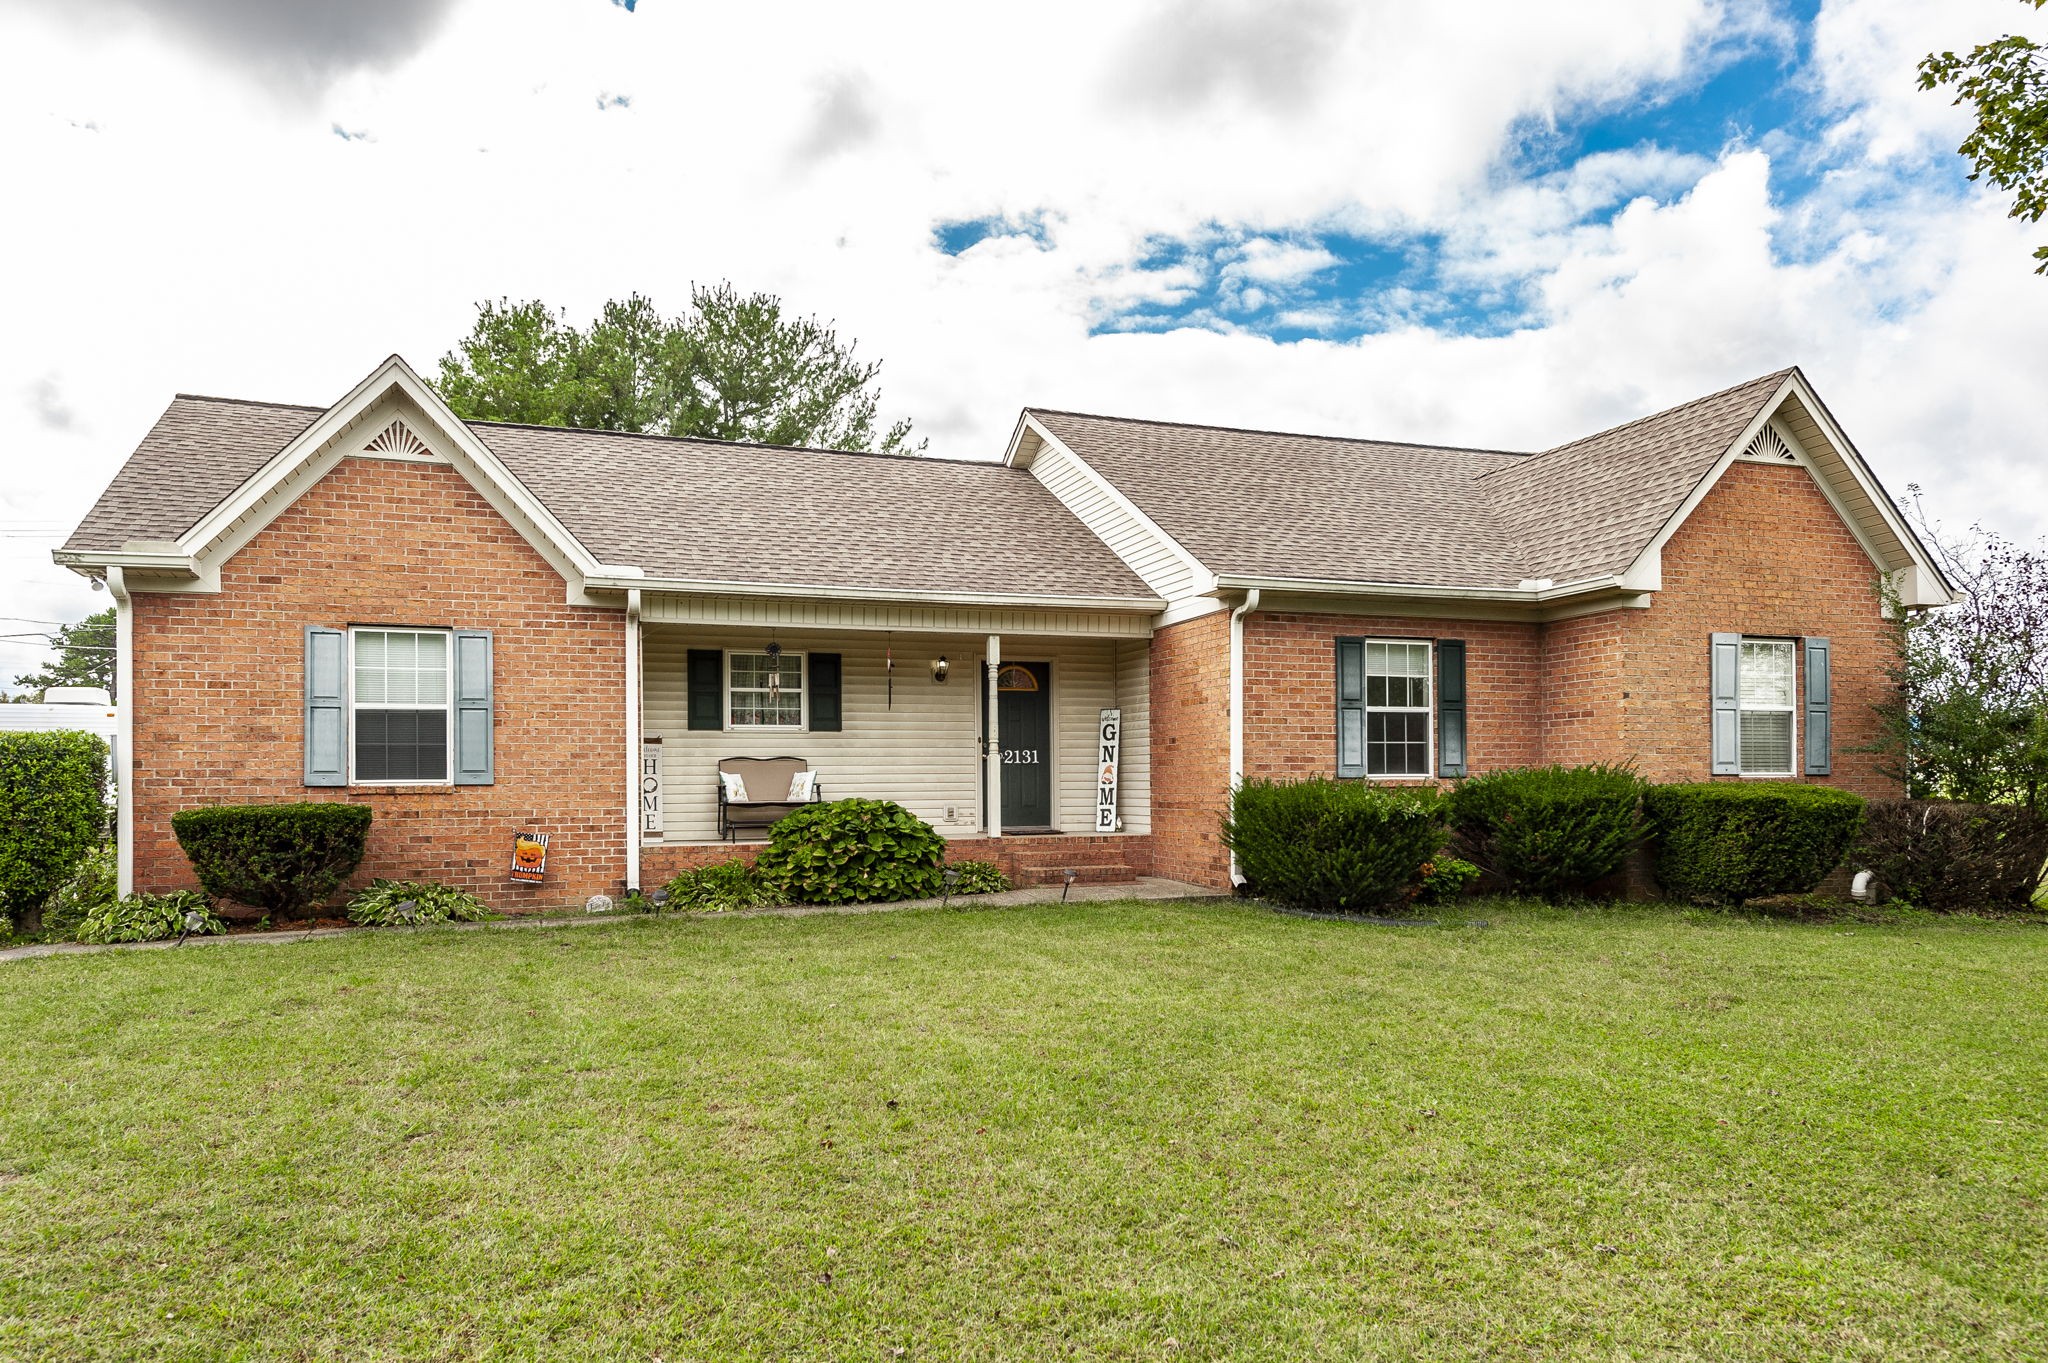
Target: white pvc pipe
x,y
632,739
124,731
1245,607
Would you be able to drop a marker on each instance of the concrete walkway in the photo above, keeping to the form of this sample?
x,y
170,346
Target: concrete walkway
x,y
1145,887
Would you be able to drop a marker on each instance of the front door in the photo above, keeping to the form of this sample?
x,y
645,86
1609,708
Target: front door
x,y
1024,728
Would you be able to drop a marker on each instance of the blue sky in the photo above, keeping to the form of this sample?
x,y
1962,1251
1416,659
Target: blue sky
x,y
1495,224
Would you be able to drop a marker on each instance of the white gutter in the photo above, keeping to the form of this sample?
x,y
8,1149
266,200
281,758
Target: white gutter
x,y
1337,587
1245,607
632,739
124,732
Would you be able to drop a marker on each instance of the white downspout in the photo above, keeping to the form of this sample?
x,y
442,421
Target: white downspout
x,y
992,775
1245,607
124,731
632,739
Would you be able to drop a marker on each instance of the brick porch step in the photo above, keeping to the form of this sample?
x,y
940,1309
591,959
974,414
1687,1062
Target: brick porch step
x,y
1107,873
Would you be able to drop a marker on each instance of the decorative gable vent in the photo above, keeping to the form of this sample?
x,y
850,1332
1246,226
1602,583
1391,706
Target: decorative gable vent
x,y
1769,448
397,441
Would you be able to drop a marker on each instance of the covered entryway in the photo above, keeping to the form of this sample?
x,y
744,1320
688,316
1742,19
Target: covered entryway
x,y
1024,730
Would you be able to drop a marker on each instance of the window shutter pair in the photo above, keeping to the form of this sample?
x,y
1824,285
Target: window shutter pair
x,y
706,680
1726,686
472,742
1450,707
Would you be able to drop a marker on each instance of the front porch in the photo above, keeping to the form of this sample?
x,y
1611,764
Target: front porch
x,y
902,715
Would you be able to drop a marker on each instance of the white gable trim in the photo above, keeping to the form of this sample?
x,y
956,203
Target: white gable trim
x,y
1020,455
392,392
1646,573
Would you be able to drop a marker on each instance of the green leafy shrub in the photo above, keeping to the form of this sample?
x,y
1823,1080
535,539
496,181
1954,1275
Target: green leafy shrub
x,y
1332,845
720,888
94,884
1726,841
148,918
1445,878
978,877
286,859
377,904
53,813
853,851
1948,856
1549,830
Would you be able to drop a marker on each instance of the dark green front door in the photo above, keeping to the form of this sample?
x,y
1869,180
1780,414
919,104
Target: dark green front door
x,y
1024,728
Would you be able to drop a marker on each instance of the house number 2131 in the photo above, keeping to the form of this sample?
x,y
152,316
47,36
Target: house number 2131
x,y
1020,757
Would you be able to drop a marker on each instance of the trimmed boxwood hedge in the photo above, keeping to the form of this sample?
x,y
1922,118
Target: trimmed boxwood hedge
x,y
853,851
53,814
1725,842
1334,846
1549,831
284,858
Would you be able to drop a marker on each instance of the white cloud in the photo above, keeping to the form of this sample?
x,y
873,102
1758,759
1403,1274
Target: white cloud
x,y
208,238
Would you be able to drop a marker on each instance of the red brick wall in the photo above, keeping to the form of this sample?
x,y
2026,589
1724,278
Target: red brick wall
x,y
1584,675
1191,749
1764,553
1290,709
219,686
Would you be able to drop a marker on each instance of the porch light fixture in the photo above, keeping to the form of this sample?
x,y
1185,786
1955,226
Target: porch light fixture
x,y
940,669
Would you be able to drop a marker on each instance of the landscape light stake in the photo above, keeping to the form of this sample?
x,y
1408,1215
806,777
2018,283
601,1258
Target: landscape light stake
x,y
407,911
660,901
1070,875
194,920
952,878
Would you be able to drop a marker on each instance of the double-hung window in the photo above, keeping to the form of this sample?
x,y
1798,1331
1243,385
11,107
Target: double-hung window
x,y
765,690
1383,707
1766,695
400,696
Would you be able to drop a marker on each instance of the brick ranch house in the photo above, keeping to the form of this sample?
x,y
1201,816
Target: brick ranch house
x,y
481,629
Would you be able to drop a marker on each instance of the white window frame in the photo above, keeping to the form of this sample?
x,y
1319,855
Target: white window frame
x,y
803,693
355,706
1427,709
1742,707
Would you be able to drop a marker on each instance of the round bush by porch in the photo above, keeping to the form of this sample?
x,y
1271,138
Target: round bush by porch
x,y
284,858
853,852
1726,842
1335,846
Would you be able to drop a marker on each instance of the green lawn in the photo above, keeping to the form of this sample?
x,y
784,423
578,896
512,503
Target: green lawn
x,y
1092,1131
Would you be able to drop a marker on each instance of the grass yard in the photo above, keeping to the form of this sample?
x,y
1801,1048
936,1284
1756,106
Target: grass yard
x,y
1094,1131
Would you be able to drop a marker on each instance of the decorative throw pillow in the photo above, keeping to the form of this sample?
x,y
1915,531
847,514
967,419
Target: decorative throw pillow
x,y
735,787
803,785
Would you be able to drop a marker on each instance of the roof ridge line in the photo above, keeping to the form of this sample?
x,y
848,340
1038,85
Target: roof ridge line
x,y
250,402
735,444
1291,435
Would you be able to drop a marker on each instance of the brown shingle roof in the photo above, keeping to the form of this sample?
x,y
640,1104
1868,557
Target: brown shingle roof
x,y
746,514
199,451
763,514
1264,503
1268,504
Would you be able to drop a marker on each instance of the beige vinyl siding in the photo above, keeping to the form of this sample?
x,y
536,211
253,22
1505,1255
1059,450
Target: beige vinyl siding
x,y
922,753
1149,554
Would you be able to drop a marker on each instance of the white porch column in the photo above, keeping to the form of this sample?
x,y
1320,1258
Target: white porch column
x,y
632,738
992,770
124,732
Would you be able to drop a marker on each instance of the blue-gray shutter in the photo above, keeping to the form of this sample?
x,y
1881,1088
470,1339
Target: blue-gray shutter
x,y
1450,707
1351,707
471,759
707,688
326,707
824,698
1727,695
1819,739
